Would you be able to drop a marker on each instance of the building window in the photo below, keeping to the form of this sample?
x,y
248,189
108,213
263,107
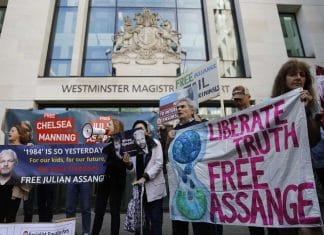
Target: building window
x,y
99,44
61,46
228,40
2,16
291,35
105,18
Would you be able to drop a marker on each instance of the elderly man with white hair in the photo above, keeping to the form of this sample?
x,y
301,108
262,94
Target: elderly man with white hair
x,y
8,205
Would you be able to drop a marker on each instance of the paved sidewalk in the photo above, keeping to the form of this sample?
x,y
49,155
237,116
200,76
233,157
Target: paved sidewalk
x,y
228,230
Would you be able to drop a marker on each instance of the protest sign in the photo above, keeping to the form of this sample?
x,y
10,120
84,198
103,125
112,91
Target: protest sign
x,y
65,127
205,78
101,122
168,103
61,227
129,141
250,168
320,83
57,164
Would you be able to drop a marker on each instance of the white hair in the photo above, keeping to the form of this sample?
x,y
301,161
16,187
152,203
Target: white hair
x,y
11,153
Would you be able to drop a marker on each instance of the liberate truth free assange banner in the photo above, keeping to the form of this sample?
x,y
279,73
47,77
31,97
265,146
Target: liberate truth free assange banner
x,y
250,168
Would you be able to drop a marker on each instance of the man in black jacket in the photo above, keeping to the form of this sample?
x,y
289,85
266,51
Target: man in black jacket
x,y
186,111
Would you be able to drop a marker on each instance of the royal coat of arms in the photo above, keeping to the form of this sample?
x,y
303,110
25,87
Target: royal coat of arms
x,y
143,42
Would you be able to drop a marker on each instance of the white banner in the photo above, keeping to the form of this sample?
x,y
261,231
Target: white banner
x,y
250,168
205,78
63,227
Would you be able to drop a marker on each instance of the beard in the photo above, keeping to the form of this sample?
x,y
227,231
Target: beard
x,y
5,174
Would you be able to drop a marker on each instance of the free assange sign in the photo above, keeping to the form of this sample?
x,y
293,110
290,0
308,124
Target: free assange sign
x,y
251,168
205,78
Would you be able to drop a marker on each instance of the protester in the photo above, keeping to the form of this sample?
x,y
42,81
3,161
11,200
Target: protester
x,y
45,192
29,203
186,111
8,205
45,201
241,97
114,183
242,100
317,153
20,134
296,74
83,190
149,171
163,130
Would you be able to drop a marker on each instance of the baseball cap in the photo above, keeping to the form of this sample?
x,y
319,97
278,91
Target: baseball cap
x,y
239,92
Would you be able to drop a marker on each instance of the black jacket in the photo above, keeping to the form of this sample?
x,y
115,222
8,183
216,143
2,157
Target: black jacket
x,y
115,167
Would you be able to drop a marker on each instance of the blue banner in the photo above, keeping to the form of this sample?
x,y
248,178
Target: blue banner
x,y
65,127
45,164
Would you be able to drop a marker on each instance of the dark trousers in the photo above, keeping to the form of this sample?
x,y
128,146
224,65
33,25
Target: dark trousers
x,y
45,202
256,230
8,207
29,206
199,228
114,191
153,217
261,231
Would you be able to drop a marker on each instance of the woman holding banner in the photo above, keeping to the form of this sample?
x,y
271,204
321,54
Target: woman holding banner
x,y
296,74
12,192
114,183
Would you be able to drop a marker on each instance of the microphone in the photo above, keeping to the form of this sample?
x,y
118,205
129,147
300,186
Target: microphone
x,y
88,130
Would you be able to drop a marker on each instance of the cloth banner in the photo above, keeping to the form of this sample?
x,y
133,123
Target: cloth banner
x,y
57,151
46,164
250,168
65,127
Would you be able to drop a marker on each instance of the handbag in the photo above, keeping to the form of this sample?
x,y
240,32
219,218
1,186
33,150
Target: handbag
x,y
135,214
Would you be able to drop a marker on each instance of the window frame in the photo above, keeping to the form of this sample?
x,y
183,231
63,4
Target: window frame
x,y
294,17
241,62
50,47
175,27
4,15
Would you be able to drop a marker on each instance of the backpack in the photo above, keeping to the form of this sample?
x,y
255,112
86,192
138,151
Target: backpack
x,y
133,221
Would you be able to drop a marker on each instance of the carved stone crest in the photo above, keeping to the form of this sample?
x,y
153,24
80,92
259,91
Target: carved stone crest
x,y
143,42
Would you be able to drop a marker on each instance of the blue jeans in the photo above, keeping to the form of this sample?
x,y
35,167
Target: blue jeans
x,y
73,191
